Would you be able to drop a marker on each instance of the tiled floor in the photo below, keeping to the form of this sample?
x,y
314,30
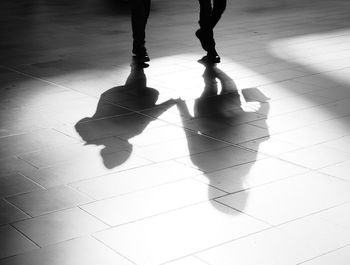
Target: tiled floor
x,y
244,163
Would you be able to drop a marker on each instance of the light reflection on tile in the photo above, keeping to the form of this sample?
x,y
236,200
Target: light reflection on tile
x,y
289,244
161,199
290,198
182,232
135,179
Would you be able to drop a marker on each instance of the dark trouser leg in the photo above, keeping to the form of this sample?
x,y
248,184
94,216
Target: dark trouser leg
x,y
206,29
219,7
205,10
140,10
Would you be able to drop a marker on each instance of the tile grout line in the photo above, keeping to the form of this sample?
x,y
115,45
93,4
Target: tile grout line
x,y
23,234
324,254
115,251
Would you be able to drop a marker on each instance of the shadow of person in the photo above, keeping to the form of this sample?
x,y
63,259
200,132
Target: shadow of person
x,y
115,116
219,115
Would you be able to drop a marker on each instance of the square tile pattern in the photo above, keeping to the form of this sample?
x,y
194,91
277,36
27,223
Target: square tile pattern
x,y
107,161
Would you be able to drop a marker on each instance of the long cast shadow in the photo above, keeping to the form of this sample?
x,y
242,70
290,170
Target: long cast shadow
x,y
224,106
134,95
215,105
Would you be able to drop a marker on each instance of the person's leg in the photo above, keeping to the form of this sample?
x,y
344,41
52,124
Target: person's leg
x,y
205,32
219,7
217,11
205,10
147,4
140,10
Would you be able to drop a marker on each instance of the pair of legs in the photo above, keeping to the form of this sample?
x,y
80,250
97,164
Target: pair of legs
x,y
140,10
209,15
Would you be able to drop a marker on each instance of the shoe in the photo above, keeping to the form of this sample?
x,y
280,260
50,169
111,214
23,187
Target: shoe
x,y
214,57
210,58
141,55
136,63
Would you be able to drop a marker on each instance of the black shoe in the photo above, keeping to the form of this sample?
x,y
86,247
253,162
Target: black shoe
x,y
141,55
214,57
210,58
135,63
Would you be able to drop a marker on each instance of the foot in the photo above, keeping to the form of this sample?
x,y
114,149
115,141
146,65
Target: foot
x,y
214,57
138,64
141,55
210,58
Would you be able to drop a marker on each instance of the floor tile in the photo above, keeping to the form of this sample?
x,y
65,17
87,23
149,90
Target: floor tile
x,y
292,243
59,226
12,242
284,123
340,144
135,179
315,157
340,170
239,134
44,201
251,174
161,199
85,167
339,215
285,89
270,146
187,261
10,213
26,122
315,80
290,198
327,131
340,108
78,251
298,119
165,237
340,256
16,184
335,93
156,135
18,144
52,156
203,124
282,106
179,148
219,159
13,165
129,125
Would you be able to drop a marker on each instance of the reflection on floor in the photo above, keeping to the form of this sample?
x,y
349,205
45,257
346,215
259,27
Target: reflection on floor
x,y
103,161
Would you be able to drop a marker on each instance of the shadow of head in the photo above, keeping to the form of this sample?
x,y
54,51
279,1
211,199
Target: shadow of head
x,y
114,151
221,114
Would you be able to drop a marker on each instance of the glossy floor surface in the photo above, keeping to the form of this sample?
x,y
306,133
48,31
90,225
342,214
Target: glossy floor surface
x,y
180,163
